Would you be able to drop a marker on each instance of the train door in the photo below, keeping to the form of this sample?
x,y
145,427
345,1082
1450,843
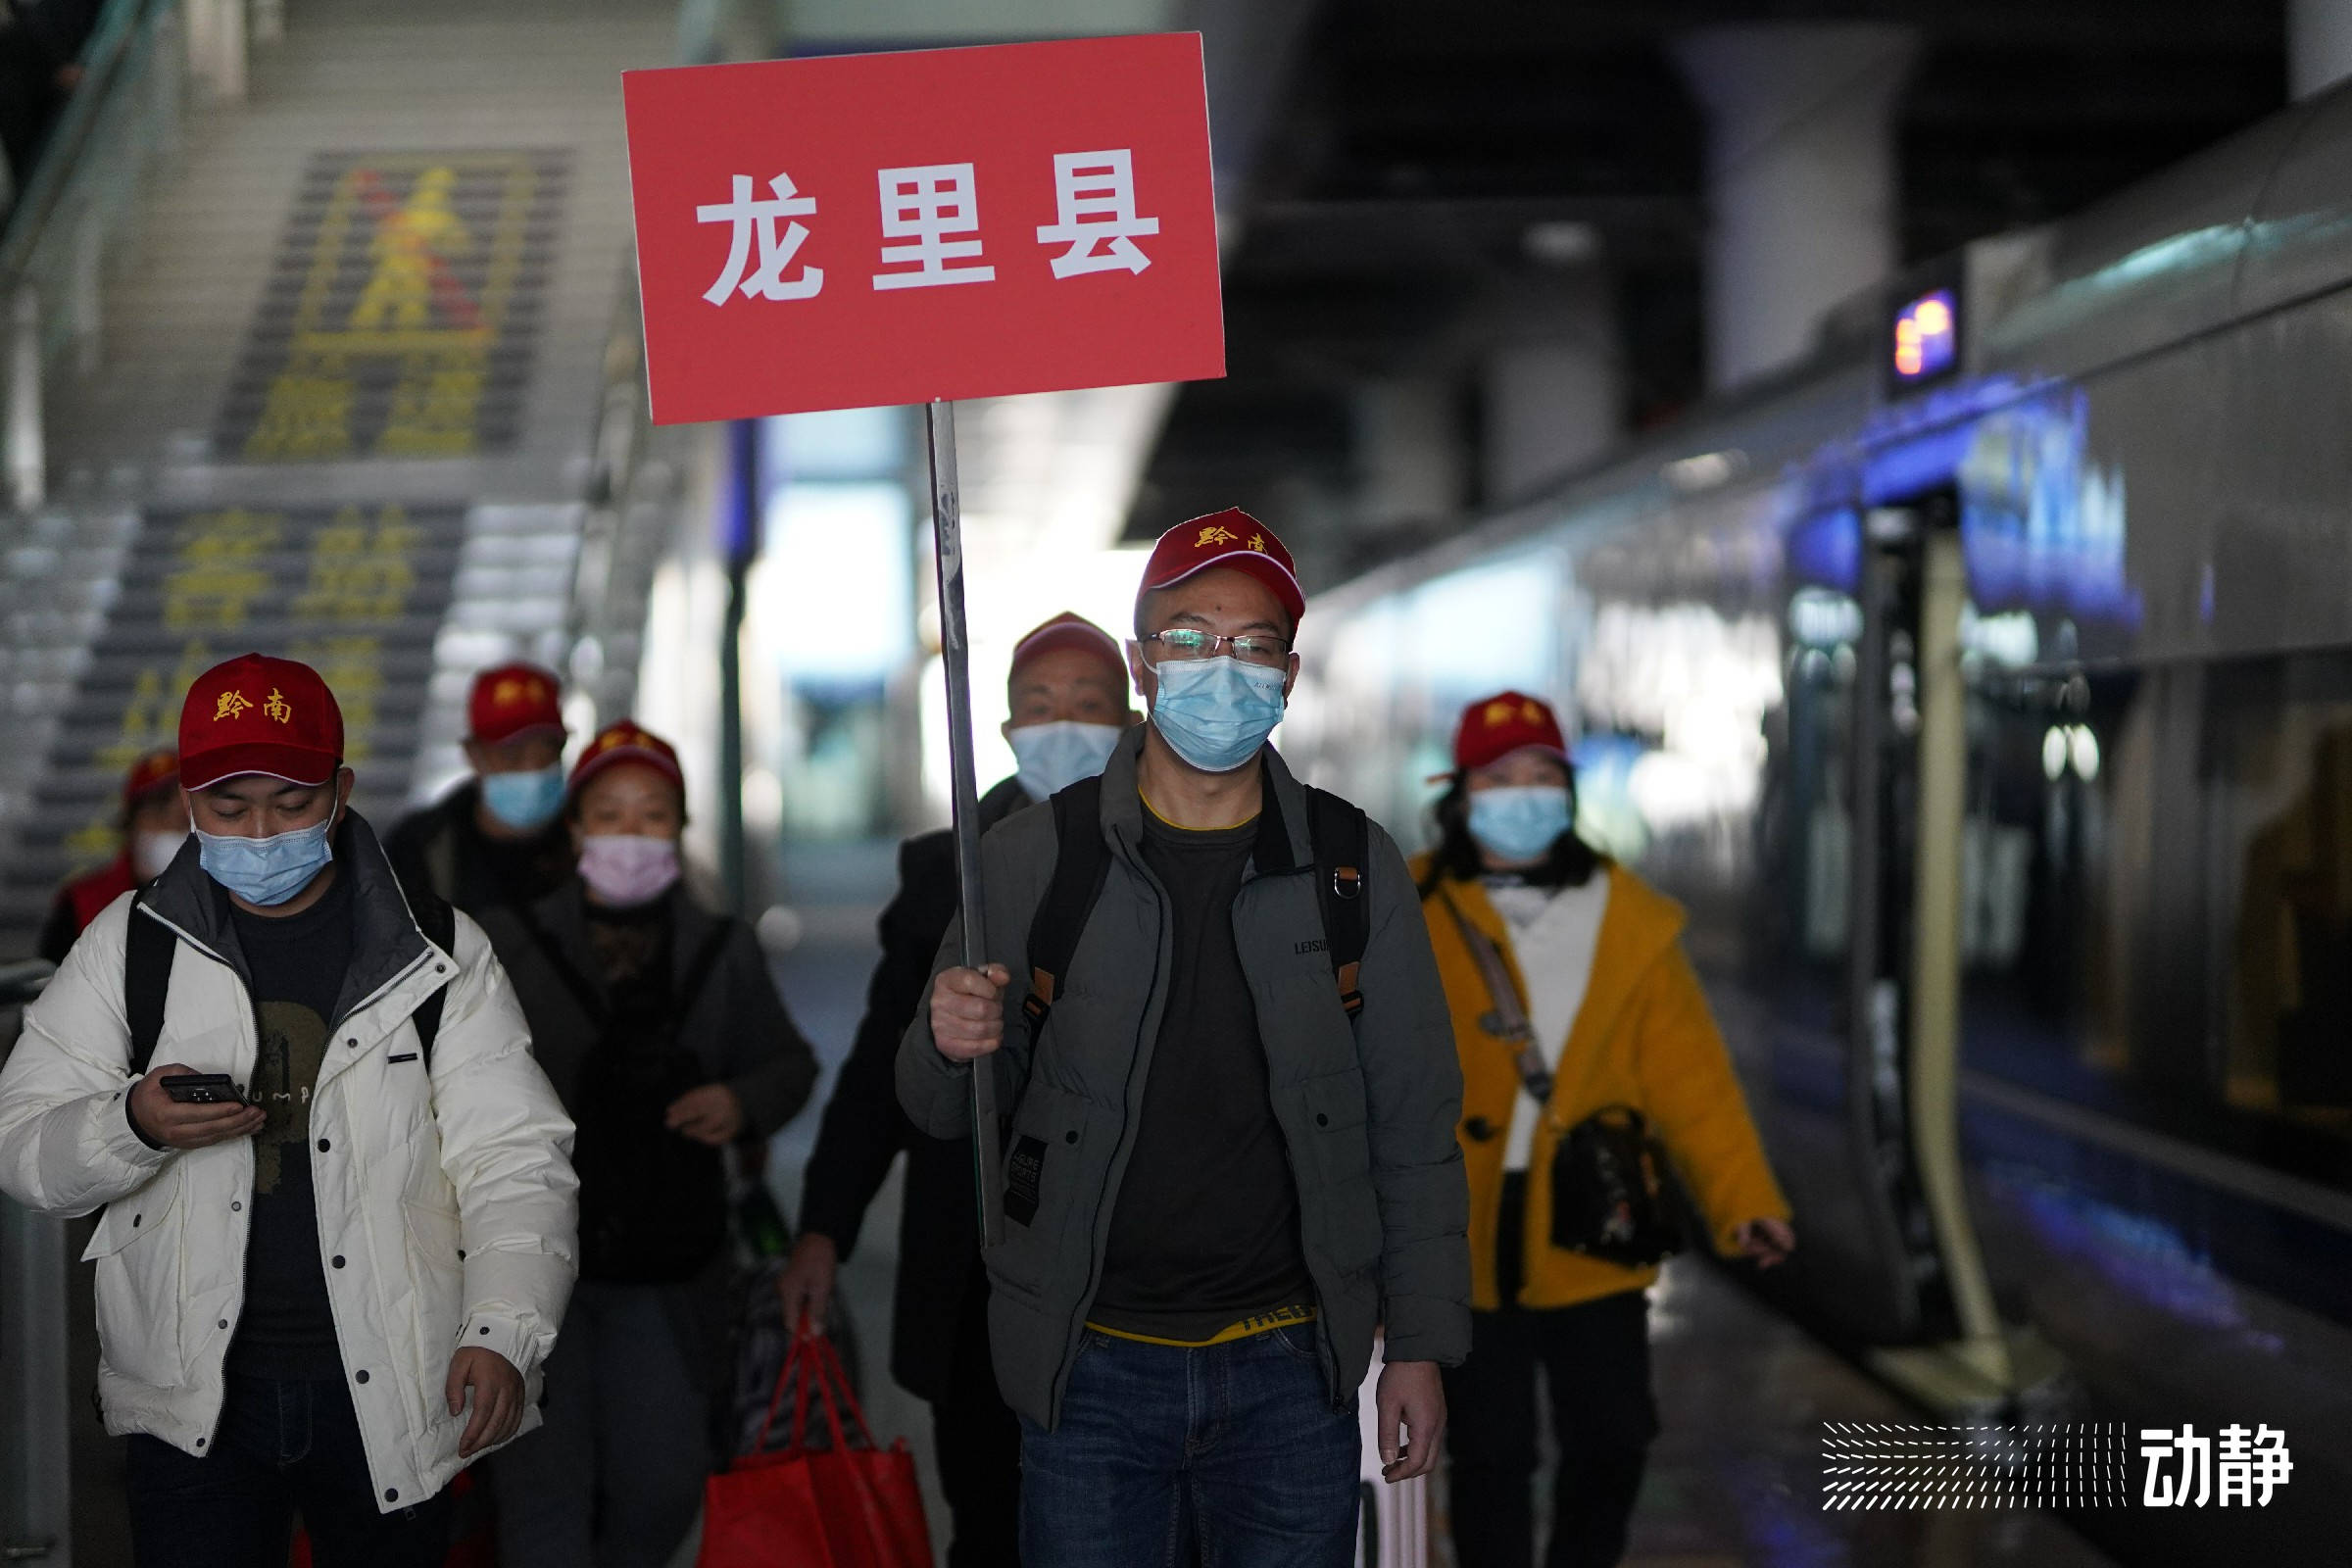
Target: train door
x,y
1908,758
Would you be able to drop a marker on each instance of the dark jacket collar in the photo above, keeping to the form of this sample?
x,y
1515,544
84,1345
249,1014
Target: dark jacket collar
x,y
564,917
385,942
459,804
456,814
1000,801
1281,841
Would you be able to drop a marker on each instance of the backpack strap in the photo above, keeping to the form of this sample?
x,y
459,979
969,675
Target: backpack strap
x,y
1342,835
149,947
1342,840
438,920
1081,866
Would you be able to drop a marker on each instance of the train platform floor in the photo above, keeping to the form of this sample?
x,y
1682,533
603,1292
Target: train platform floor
x,y
1735,1479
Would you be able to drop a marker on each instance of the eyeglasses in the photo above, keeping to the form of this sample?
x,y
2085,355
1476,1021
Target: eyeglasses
x,y
1187,643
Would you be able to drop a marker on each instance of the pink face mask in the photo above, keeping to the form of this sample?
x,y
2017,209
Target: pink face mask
x,y
623,868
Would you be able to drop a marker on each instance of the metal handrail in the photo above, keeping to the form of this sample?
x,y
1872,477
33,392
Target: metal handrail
x,y
84,198
101,67
631,493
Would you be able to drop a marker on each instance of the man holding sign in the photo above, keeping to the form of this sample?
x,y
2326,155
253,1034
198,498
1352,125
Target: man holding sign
x,y
1232,1153
1213,1009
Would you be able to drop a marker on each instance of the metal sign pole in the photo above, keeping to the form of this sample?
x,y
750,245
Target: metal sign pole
x,y
955,655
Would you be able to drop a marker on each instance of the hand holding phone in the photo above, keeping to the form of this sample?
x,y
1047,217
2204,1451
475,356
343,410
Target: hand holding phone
x,y
203,1089
176,1123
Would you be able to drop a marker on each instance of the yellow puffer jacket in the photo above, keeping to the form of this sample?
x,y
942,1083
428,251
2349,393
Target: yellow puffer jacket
x,y
1644,1038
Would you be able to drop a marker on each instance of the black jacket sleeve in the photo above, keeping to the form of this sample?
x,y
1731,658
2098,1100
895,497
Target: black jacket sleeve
x,y
769,1064
863,1128
405,846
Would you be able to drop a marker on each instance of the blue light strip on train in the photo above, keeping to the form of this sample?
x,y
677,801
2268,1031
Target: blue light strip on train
x,y
2042,520
1916,465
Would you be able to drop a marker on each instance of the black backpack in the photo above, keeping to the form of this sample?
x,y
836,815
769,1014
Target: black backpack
x,y
1342,839
150,947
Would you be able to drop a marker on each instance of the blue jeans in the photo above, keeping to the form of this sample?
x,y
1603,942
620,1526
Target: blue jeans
x,y
614,1478
279,1449
1234,1450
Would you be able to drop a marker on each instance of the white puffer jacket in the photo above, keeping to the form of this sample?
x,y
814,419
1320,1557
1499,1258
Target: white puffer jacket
x,y
450,1203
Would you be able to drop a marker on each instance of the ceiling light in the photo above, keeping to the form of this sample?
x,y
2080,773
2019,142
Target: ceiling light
x,y
1561,243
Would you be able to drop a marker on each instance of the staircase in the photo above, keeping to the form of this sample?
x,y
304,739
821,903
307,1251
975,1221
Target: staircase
x,y
356,393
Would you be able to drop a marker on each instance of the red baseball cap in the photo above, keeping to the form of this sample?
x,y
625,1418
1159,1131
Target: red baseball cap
x,y
625,741
158,769
1494,727
1069,630
258,714
512,700
1229,538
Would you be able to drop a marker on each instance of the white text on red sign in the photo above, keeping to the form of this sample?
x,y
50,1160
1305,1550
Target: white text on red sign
x,y
934,211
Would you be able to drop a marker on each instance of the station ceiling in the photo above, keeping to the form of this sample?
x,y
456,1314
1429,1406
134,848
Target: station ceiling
x,y
1418,163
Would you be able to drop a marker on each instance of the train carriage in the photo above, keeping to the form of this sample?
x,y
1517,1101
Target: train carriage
x,y
1983,686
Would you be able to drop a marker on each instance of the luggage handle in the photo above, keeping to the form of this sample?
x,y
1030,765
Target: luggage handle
x,y
823,1368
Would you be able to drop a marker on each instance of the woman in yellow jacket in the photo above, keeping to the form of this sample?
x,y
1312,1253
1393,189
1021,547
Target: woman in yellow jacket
x,y
1594,963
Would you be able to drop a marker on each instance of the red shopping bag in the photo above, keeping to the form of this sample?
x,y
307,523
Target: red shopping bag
x,y
816,1507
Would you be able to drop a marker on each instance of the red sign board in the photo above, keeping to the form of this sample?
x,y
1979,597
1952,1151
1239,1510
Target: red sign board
x,y
862,230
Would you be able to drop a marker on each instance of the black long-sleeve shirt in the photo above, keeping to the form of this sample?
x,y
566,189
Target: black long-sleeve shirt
x,y
863,1128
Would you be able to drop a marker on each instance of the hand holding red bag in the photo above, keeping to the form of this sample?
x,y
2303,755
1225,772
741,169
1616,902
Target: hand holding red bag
x,y
816,1507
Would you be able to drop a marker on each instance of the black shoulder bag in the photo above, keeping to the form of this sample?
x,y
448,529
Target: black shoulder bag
x,y
1609,1174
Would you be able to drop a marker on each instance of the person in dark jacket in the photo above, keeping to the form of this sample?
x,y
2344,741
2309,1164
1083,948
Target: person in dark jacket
x,y
498,838
40,66
154,824
1229,1163
659,1026
1067,696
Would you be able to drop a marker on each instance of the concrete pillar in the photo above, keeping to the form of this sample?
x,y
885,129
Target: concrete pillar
x,y
2318,44
217,47
1410,450
1550,385
1800,179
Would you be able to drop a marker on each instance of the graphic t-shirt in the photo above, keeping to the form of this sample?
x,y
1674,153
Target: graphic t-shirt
x,y
1204,1239
297,964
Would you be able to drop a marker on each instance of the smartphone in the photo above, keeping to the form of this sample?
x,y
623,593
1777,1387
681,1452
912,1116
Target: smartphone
x,y
204,1088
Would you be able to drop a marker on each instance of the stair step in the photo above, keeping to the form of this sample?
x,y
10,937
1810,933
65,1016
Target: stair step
x,y
112,599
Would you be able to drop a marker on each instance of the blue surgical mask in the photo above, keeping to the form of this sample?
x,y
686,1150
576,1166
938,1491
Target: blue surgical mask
x,y
524,802
1217,712
266,871
1054,757
1521,822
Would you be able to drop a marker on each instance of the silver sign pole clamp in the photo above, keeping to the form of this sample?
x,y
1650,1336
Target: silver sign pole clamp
x,y
955,655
